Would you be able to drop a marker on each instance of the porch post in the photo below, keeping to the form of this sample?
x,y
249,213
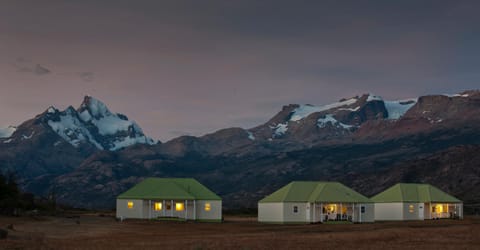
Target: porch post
x,y
341,211
149,209
360,214
194,210
321,212
186,210
461,211
430,209
164,208
314,213
353,212
171,208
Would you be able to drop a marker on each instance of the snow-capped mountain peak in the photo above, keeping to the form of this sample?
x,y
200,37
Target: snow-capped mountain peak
x,y
95,124
94,107
305,110
395,109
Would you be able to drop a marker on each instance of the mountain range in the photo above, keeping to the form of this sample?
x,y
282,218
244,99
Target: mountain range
x,y
87,156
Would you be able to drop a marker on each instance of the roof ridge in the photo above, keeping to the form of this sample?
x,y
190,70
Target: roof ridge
x,y
317,186
402,194
289,189
187,190
429,187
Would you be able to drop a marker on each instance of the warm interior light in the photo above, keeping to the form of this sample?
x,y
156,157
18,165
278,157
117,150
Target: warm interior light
x,y
207,207
439,208
179,206
332,208
411,208
130,204
158,206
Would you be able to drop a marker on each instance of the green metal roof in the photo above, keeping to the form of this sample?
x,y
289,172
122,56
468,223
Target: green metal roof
x,y
169,189
412,192
315,191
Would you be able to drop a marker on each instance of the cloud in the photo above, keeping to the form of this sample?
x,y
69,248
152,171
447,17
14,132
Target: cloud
x,y
87,76
41,70
27,66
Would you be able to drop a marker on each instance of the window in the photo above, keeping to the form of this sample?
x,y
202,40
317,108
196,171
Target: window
x,y
158,206
295,209
130,204
179,206
332,208
362,209
440,208
207,207
411,209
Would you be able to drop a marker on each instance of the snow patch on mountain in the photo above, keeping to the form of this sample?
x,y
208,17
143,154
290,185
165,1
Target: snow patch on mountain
x,y
397,109
323,122
52,110
108,123
350,109
306,110
7,132
457,95
128,141
26,137
96,108
280,129
250,135
72,130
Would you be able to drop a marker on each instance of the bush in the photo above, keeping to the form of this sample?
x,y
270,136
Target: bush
x,y
3,233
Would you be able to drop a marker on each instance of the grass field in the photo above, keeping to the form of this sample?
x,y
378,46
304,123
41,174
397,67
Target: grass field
x,y
91,231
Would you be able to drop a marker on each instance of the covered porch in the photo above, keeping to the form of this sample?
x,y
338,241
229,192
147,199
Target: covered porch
x,y
349,212
444,211
181,209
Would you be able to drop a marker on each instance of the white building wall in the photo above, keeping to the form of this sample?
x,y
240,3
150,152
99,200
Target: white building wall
x,y
414,214
388,211
367,216
136,212
302,214
215,212
270,212
145,209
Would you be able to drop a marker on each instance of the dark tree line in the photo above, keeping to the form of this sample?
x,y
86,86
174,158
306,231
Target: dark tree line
x,y
12,199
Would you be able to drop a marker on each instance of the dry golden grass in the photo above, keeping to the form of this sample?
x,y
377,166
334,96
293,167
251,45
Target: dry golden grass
x,y
94,232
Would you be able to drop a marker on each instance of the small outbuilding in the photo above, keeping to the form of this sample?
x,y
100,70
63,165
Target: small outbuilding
x,y
411,201
182,198
314,201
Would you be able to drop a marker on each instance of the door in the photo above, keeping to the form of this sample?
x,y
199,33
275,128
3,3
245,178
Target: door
x,y
421,213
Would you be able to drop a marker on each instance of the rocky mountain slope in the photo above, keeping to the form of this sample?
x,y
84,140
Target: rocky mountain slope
x,y
56,142
354,141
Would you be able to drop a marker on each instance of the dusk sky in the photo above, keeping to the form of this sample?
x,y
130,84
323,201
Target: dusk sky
x,y
193,67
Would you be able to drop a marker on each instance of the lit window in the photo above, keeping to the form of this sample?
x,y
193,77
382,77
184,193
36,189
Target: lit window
x,y
295,209
207,207
179,206
411,208
439,208
332,208
130,204
158,206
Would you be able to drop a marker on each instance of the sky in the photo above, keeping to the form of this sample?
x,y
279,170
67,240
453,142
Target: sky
x,y
189,67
